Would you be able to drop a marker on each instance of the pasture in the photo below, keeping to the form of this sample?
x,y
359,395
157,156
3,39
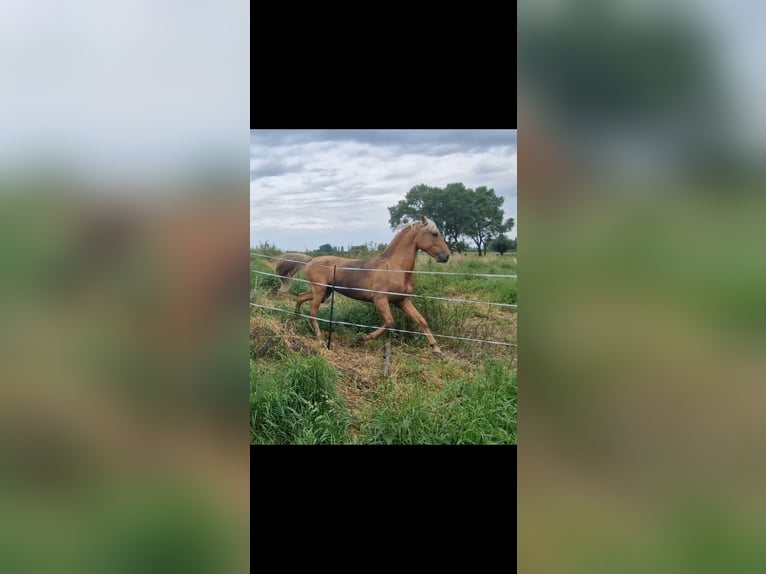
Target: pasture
x,y
303,393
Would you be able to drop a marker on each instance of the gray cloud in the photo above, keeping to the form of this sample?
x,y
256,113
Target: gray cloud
x,y
334,186
436,142
261,169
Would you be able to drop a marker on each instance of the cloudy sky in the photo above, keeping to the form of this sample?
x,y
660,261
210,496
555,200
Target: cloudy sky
x,y
334,186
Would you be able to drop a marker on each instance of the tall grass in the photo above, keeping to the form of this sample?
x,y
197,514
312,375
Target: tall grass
x,y
481,410
495,289
260,283
295,401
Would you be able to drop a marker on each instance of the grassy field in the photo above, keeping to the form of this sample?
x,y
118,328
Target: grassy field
x,y
303,393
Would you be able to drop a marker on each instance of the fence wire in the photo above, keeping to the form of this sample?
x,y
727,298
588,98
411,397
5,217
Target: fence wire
x,y
449,299
501,343
341,288
392,270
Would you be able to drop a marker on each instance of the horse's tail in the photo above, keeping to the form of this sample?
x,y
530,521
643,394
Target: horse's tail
x,y
287,266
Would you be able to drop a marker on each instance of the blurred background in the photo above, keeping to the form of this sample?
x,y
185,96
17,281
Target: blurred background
x,y
123,268
642,139
123,274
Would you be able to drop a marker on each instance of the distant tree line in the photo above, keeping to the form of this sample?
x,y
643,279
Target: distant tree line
x,y
365,250
460,213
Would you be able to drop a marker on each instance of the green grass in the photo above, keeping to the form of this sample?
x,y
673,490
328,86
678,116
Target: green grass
x,y
294,401
499,290
479,410
258,281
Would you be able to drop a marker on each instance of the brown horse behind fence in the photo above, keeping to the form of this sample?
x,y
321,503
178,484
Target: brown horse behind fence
x,y
381,280
287,266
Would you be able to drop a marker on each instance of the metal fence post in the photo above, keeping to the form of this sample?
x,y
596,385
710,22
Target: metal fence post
x,y
332,307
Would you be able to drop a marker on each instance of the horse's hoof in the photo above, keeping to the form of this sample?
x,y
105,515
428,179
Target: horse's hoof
x,y
438,354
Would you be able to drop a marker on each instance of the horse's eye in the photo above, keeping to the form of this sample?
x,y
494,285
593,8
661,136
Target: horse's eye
x,y
435,234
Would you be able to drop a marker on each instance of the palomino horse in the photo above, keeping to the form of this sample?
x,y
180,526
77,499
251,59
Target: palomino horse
x,y
381,280
287,266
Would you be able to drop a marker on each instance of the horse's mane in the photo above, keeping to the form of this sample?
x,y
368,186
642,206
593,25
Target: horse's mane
x,y
429,225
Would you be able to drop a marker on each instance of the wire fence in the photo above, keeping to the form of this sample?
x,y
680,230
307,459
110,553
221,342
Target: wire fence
x,y
502,343
342,288
359,325
414,272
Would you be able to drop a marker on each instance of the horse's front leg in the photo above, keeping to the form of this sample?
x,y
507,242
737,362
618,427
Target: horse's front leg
x,y
388,318
407,306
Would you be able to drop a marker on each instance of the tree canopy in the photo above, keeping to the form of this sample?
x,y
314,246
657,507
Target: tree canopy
x,y
502,244
458,211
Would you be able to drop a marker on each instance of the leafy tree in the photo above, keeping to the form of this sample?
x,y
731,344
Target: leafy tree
x,y
461,247
484,217
419,200
444,206
454,217
501,244
325,248
458,211
359,250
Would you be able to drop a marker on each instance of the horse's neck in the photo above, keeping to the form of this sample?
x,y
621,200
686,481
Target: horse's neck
x,y
401,251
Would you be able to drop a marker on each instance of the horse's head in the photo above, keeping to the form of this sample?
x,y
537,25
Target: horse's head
x,y
429,239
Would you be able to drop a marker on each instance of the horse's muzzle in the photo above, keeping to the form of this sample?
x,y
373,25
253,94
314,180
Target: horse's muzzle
x,y
442,257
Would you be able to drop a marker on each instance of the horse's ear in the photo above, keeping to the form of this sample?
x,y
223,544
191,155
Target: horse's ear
x,y
423,219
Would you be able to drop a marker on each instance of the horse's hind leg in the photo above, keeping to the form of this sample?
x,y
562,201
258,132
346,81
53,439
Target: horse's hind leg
x,y
301,299
313,312
316,294
407,306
